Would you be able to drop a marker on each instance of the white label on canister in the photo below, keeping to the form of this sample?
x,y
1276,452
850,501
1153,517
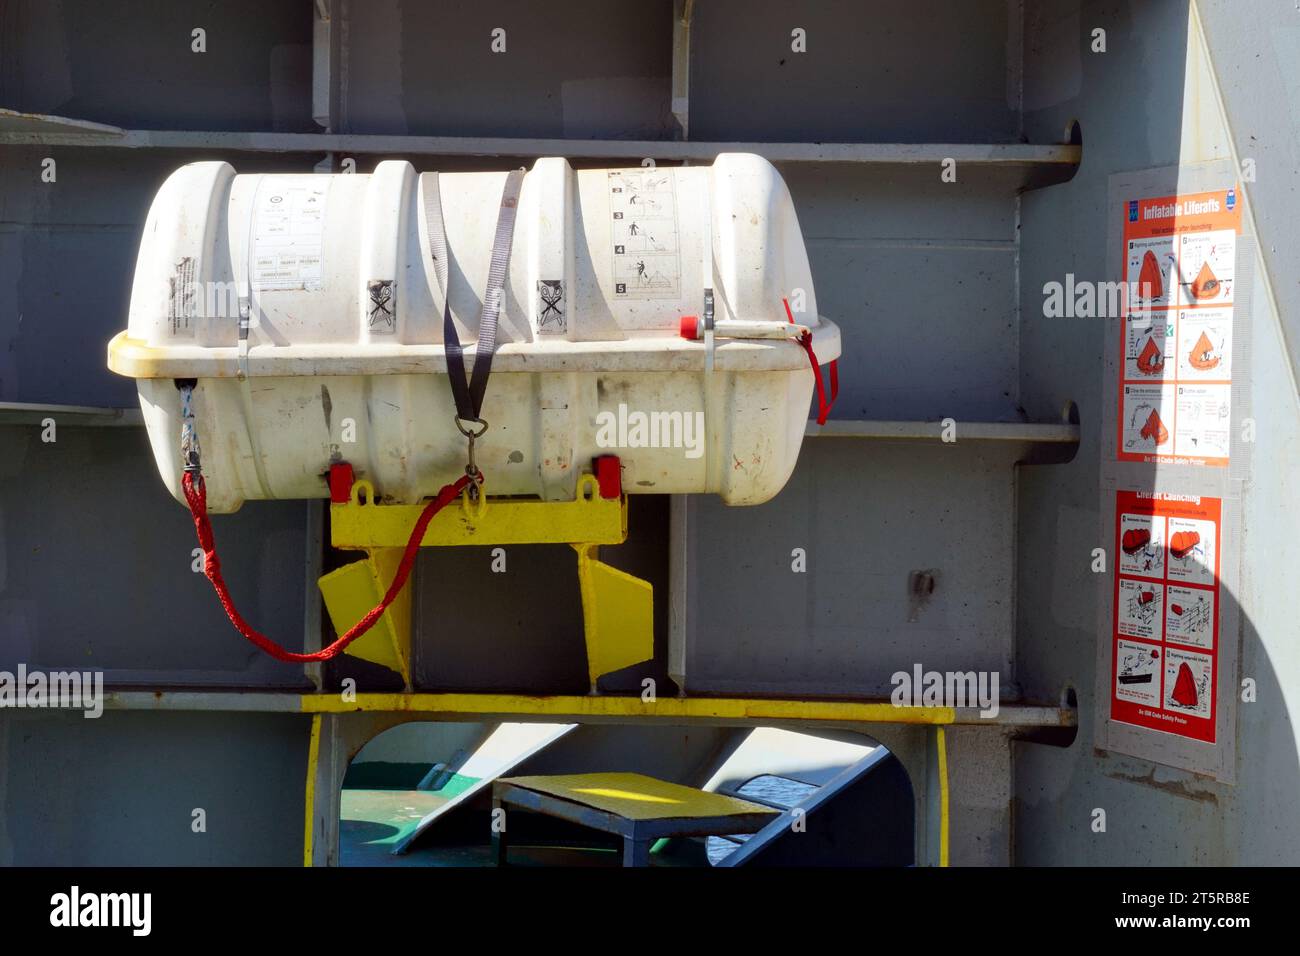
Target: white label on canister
x,y
644,234
288,233
550,307
182,298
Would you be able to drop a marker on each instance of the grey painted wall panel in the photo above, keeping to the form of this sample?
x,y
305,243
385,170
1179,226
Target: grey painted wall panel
x,y
928,332
522,630
920,276
133,65
121,789
517,631
584,69
980,762
59,329
842,201
894,71
96,567
867,514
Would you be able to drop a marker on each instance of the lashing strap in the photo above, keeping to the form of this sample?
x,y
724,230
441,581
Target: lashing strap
x,y
468,395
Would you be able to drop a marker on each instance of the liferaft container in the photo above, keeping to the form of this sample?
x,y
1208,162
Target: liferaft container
x,y
309,310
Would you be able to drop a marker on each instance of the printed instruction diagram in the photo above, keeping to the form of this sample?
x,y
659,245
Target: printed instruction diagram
x,y
645,233
1165,627
1175,378
1189,616
1137,673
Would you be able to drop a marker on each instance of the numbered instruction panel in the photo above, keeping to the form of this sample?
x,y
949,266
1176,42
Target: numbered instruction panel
x,y
646,237
1166,627
1175,371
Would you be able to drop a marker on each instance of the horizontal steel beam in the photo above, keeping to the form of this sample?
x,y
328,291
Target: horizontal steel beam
x,y
1062,156
1034,432
25,413
21,413
595,708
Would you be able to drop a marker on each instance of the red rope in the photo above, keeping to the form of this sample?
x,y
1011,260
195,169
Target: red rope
x,y
196,496
805,341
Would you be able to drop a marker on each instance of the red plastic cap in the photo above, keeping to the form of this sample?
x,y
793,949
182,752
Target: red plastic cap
x,y
341,479
690,327
609,476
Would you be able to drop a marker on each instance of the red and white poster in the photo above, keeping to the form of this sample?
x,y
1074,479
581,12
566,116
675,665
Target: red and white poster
x,y
1175,371
1165,640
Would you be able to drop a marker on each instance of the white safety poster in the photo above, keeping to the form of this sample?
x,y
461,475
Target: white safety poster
x,y
1175,372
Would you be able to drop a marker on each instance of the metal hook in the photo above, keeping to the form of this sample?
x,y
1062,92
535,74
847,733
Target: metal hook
x,y
471,469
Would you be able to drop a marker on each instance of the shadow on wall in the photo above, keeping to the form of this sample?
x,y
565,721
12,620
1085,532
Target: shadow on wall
x,y
1135,110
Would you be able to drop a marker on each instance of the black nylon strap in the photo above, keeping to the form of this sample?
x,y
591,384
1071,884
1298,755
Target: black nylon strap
x,y
468,395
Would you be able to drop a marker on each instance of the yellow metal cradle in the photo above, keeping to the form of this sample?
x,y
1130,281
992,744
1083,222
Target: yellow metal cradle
x,y
618,612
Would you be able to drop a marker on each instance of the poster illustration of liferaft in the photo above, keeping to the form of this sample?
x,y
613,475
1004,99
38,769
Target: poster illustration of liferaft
x,y
1164,660
1175,383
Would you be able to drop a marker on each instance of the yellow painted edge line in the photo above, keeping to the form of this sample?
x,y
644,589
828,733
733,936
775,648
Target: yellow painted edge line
x,y
136,359
942,745
609,706
313,760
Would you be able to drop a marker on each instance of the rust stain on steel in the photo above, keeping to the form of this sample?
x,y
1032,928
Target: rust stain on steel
x,y
1176,788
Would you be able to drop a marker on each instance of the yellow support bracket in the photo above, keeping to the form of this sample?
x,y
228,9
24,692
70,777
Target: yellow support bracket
x,y
617,616
352,590
589,519
618,609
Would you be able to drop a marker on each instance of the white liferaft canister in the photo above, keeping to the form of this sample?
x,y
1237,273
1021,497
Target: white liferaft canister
x,y
343,357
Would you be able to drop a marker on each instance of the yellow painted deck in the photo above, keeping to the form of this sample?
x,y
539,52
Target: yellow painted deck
x,y
636,796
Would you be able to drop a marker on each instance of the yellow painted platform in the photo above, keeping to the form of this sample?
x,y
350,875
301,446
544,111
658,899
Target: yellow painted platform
x,y
635,796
